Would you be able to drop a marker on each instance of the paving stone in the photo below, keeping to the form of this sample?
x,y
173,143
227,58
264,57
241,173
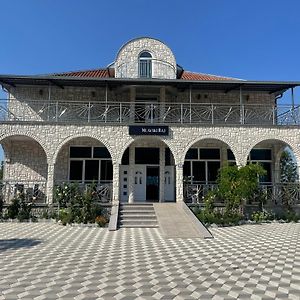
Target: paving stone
x,y
48,261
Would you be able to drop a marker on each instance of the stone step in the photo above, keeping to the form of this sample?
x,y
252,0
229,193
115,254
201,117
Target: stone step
x,y
138,222
137,216
139,226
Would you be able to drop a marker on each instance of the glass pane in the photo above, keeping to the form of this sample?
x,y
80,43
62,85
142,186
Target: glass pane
x,y
80,152
125,158
261,154
91,170
212,171
101,152
106,170
199,171
268,176
230,155
192,154
187,170
147,156
207,153
167,157
76,167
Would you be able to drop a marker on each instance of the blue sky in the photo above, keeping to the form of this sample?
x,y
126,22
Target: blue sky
x,y
255,40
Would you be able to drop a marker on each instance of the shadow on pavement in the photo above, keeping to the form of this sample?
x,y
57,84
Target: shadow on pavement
x,y
17,243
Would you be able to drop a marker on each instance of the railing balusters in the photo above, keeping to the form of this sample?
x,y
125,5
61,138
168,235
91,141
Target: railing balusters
x,y
181,113
120,112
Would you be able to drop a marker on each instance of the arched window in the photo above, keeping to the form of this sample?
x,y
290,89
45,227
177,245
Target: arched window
x,y
145,65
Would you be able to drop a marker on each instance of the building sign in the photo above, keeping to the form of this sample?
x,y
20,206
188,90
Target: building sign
x,y
148,130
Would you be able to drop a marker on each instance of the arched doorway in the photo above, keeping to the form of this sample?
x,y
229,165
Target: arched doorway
x,y
201,166
147,172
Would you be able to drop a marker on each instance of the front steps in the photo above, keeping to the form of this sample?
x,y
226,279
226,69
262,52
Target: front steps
x,y
137,215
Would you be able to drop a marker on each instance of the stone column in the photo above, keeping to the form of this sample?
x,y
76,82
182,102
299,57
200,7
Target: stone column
x,y
116,184
50,184
179,183
162,150
131,174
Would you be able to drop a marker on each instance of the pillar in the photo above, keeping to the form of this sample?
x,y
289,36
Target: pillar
x,y
116,184
162,173
179,183
132,103
131,174
50,184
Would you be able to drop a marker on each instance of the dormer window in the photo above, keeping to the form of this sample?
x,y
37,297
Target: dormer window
x,y
145,65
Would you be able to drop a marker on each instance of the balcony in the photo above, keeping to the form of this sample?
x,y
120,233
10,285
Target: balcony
x,y
125,113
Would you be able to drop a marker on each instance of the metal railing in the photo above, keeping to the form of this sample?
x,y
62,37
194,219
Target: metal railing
x,y
32,191
270,194
65,191
147,113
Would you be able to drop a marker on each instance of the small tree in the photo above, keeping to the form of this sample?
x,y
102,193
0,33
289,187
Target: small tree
x,y
237,185
288,168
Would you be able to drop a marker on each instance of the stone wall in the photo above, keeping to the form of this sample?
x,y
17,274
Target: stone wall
x,y
55,138
163,63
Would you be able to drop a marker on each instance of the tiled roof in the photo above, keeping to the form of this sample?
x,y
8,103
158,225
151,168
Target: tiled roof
x,y
97,73
186,75
104,73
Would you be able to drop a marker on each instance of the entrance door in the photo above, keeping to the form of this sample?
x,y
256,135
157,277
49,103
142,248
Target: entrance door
x,y
139,183
152,184
169,184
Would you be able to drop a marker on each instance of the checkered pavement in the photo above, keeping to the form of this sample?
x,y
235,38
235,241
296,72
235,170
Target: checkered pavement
x,y
49,261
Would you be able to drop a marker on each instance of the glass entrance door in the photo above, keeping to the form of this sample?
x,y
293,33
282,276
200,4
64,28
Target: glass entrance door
x,y
152,183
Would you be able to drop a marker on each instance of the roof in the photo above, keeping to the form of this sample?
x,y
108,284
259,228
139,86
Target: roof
x,y
108,72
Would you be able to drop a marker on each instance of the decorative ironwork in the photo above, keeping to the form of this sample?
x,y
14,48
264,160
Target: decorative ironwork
x,y
102,192
286,194
34,191
148,112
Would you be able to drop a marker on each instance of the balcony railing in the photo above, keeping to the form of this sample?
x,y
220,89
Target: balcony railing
x,y
149,113
66,191
271,194
30,191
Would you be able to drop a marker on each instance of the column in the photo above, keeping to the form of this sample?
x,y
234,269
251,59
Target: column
x,y
50,184
179,183
116,184
131,174
162,150
162,103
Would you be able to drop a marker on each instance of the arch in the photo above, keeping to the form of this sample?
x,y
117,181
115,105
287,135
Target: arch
x,y
72,137
32,137
123,149
210,137
270,138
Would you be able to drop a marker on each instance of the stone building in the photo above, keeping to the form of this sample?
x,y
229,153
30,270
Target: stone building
x,y
143,128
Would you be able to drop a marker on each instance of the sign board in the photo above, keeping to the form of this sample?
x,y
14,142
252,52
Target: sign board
x,y
148,130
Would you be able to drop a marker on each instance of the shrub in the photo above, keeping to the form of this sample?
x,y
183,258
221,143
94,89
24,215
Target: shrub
x,y
20,208
101,221
261,216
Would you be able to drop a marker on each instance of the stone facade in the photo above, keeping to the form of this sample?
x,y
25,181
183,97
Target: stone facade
x,y
53,139
163,60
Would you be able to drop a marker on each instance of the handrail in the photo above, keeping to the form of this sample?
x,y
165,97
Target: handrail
x,y
126,112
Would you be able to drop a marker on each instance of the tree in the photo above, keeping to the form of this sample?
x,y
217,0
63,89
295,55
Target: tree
x,y
288,167
237,185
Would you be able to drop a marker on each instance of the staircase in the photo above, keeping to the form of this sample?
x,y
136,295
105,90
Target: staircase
x,y
141,215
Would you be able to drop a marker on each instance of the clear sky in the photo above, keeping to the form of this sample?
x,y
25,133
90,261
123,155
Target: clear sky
x,y
255,40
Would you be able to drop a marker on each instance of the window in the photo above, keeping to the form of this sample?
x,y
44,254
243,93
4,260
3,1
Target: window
x,y
202,165
264,158
145,65
89,164
147,156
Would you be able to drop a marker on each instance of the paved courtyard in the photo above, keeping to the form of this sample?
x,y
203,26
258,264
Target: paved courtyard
x,y
48,261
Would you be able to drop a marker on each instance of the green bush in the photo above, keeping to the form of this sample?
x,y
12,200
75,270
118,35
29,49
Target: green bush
x,y
19,208
261,216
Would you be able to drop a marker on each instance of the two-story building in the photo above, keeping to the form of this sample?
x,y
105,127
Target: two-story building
x,y
143,129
